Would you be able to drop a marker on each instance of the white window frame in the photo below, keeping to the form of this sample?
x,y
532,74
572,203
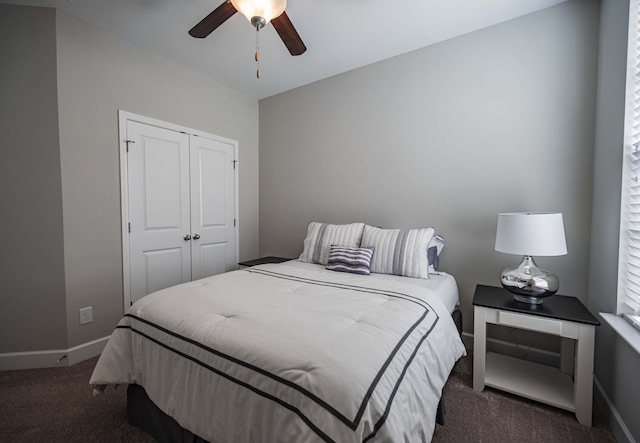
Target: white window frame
x,y
629,255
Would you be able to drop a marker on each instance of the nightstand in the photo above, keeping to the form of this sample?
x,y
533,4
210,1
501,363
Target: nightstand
x,y
569,387
263,261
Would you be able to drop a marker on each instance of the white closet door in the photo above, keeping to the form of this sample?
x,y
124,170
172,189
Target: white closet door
x,y
212,207
158,177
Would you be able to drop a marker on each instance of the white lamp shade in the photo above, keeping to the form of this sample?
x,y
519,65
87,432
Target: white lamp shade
x,y
267,9
531,233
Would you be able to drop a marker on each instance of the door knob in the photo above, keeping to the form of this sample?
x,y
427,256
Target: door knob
x,y
196,236
187,237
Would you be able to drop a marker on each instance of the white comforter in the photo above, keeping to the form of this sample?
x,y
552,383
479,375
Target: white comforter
x,y
281,354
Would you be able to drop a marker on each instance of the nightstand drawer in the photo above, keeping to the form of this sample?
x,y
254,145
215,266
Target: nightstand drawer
x,y
529,322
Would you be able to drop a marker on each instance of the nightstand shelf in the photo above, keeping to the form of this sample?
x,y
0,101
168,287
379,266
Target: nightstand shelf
x,y
568,387
531,380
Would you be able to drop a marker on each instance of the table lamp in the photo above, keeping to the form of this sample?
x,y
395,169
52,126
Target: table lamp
x,y
529,234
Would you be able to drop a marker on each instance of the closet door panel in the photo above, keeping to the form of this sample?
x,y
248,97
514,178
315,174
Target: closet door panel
x,y
213,258
212,207
162,185
163,268
158,176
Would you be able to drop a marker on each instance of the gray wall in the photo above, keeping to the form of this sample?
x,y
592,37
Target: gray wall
x,y
616,365
99,73
32,286
447,136
65,162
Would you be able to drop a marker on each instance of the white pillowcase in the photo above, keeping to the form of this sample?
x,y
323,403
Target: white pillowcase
x,y
399,251
320,237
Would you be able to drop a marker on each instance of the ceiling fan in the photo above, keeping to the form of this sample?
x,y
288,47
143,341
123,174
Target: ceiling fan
x,y
259,13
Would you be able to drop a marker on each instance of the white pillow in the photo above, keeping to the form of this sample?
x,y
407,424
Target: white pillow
x,y
399,251
320,237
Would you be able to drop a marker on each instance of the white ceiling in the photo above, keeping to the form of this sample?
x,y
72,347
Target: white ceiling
x,y
340,35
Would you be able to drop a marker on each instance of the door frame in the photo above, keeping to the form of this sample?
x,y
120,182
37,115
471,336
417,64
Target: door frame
x,y
123,118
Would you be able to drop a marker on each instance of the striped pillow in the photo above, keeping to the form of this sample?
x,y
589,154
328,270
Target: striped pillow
x,y
354,260
320,237
399,251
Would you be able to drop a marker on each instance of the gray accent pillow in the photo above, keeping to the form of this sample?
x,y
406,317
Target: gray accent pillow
x,y
354,260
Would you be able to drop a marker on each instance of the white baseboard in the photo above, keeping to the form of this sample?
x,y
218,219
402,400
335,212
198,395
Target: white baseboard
x,y
618,427
52,358
467,340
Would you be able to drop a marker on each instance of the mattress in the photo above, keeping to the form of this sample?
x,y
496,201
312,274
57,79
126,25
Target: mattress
x,y
286,353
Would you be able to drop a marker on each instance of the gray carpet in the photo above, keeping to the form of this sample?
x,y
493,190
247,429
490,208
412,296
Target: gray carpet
x,y
56,405
496,416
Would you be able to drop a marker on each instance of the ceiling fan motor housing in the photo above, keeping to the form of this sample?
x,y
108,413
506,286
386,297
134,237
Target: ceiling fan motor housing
x,y
258,22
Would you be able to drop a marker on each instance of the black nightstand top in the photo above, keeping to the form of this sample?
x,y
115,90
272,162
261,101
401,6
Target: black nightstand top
x,y
263,261
559,307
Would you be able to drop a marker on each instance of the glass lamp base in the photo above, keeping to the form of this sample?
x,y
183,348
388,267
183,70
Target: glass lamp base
x,y
527,299
528,282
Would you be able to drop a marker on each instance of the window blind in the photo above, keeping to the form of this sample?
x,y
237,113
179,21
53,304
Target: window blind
x,y
629,286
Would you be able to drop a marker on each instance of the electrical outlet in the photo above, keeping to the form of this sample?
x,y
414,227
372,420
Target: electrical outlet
x,y
86,315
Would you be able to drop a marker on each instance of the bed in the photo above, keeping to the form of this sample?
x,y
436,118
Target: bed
x,y
288,352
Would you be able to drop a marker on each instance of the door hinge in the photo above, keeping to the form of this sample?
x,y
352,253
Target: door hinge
x,y
129,227
234,222
234,163
128,142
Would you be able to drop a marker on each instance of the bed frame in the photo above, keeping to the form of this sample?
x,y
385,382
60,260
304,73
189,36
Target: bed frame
x,y
143,413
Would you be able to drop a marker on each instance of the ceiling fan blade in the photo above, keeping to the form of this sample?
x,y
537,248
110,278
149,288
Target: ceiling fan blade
x,y
288,34
208,24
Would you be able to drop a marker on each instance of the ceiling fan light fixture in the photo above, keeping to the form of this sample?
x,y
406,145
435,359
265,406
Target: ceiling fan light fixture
x,y
266,9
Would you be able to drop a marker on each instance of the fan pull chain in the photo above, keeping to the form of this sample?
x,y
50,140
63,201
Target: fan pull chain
x,y
258,51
